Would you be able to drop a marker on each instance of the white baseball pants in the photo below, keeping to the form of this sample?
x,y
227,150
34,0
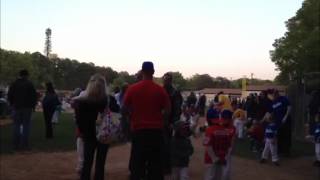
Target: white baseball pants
x,y
270,147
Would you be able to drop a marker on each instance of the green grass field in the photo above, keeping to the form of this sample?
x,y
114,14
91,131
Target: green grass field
x,y
64,139
64,135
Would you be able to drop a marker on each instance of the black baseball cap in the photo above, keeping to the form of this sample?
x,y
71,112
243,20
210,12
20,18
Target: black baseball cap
x,y
24,73
147,66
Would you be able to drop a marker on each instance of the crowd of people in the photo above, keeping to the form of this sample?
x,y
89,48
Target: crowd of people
x,y
159,122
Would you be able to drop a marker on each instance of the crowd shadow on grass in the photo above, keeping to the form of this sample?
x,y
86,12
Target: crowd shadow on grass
x,y
64,135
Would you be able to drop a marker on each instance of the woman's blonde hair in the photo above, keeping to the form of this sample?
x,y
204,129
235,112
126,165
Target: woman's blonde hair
x,y
96,88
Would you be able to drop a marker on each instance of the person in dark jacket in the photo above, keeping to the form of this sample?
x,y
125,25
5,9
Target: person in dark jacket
x,y
50,104
202,105
174,116
22,97
191,99
313,110
87,107
281,110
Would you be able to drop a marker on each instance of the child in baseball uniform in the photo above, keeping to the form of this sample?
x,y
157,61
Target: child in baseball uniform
x,y
213,117
239,119
79,140
182,150
270,146
219,141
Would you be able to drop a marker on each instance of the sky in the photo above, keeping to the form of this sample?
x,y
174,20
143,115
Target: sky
x,y
230,38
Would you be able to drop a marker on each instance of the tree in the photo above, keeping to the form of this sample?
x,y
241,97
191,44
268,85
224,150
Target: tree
x,y
200,81
179,81
122,79
48,45
298,51
222,82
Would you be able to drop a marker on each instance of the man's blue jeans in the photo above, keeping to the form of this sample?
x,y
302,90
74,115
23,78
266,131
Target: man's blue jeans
x,y
21,127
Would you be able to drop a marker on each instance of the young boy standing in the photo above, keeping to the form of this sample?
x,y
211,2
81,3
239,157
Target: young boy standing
x,y
219,142
182,149
239,119
270,143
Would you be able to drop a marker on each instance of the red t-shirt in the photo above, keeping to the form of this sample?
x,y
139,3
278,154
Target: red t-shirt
x,y
220,139
145,101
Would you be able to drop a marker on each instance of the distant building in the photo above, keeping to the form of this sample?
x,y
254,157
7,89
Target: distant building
x,y
237,93
212,92
257,89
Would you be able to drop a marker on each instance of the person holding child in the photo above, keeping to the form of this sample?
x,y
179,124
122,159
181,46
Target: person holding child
x,y
281,109
50,103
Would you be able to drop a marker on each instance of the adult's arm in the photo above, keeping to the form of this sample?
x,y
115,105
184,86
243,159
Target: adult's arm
x,y
166,103
284,120
266,116
77,114
177,103
287,103
33,94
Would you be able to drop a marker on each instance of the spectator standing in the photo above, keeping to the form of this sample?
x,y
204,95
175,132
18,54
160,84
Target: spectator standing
x,y
145,102
87,107
251,108
316,135
263,105
202,105
281,109
22,97
314,109
191,99
174,116
50,104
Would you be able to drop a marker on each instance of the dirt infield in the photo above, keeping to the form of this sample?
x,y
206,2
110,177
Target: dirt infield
x,y
61,166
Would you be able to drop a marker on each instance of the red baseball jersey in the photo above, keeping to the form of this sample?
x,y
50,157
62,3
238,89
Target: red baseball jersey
x,y
219,137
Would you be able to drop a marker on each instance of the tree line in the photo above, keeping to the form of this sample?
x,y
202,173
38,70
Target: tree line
x,y
68,74
297,53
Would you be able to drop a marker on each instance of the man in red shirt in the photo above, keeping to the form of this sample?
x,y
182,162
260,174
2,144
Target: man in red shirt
x,y
146,102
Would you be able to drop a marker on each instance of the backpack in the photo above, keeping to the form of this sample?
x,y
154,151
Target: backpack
x,y
109,131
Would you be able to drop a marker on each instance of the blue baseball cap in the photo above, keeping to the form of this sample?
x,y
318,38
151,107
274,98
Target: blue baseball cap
x,y
147,66
226,114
